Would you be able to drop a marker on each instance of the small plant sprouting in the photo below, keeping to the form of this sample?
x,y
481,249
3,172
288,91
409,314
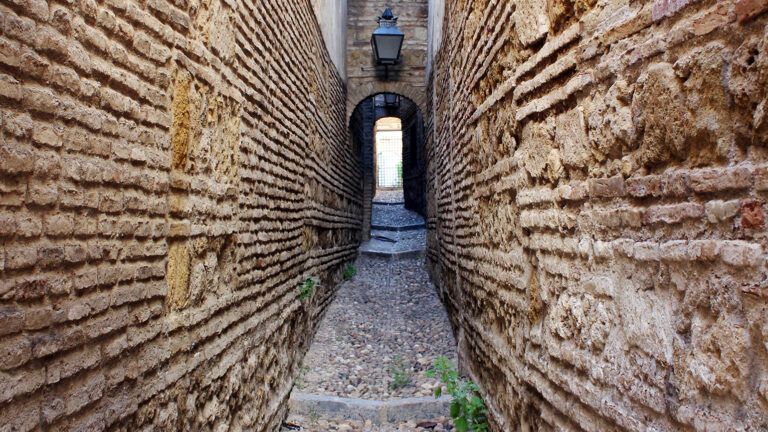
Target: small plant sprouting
x,y
307,288
349,272
400,373
314,416
300,381
468,409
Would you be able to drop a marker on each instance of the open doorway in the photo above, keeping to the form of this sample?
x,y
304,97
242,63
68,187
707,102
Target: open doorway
x,y
387,131
388,134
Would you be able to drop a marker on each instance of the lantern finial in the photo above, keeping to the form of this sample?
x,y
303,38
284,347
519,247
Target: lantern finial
x,y
387,41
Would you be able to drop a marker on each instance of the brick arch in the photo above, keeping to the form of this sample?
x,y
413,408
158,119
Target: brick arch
x,y
358,93
359,122
351,109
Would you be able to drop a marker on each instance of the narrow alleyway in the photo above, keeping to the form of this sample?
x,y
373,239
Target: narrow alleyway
x,y
380,335
575,215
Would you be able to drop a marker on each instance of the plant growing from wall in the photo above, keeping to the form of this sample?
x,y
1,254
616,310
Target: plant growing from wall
x,y
300,381
307,288
468,409
349,272
400,374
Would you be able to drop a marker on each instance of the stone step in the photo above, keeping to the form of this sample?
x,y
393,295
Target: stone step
x,y
384,203
394,256
395,245
378,412
399,228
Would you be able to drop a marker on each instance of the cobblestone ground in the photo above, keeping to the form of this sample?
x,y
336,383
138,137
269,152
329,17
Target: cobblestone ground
x,y
318,425
392,215
388,196
397,241
379,336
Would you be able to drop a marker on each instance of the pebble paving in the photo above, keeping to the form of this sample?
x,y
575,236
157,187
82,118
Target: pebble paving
x,y
388,196
386,322
297,423
381,333
395,216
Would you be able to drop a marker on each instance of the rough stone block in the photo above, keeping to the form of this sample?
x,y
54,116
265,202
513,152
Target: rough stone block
x,y
672,214
752,215
720,211
11,320
716,179
20,257
713,19
571,136
59,225
742,254
646,251
39,318
746,9
16,160
668,8
607,187
704,250
531,20
677,250
641,187
14,351
761,178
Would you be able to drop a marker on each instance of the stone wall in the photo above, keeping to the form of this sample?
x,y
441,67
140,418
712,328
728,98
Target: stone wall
x,y
170,172
361,126
332,17
408,79
414,158
434,31
598,176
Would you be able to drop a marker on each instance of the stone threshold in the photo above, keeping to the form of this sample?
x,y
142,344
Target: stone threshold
x,y
398,228
382,203
378,412
393,256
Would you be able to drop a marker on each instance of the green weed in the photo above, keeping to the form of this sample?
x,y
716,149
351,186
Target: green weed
x,y
468,409
314,416
300,381
400,373
349,272
307,289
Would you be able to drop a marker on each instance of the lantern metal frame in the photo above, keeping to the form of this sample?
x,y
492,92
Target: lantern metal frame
x,y
387,29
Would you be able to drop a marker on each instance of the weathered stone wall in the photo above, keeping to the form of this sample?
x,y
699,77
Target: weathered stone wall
x,y
170,172
361,126
598,176
414,158
434,31
332,17
407,79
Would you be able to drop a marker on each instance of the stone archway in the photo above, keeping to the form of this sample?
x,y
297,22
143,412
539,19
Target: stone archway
x,y
362,119
356,94
408,78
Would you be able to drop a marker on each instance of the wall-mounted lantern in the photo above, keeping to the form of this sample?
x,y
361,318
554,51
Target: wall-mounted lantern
x,y
387,41
391,100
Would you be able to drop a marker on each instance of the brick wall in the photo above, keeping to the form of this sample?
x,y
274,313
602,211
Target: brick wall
x,y
169,174
361,126
408,78
597,183
414,158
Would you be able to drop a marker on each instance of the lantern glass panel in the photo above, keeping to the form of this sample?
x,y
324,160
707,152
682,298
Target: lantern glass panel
x,y
387,47
391,99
